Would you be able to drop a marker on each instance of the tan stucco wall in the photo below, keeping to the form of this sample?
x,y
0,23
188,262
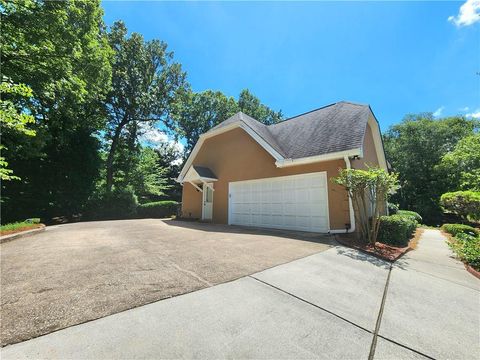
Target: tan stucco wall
x,y
369,153
235,156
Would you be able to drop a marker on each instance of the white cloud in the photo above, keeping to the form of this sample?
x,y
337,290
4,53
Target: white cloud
x,y
466,108
475,115
439,111
155,137
469,14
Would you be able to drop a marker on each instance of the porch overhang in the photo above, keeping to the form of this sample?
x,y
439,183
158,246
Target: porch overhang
x,y
200,175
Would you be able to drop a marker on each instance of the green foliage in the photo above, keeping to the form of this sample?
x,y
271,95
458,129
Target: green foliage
x,y
467,248
115,204
369,190
148,179
396,230
392,208
411,214
414,148
57,49
463,203
13,118
158,209
17,225
460,168
455,229
33,221
199,112
146,84
251,105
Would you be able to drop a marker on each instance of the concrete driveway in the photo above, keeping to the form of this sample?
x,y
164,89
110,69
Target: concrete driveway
x,y
74,273
337,304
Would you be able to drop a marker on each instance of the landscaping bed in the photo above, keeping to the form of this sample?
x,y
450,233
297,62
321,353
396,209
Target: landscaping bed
x,y
380,250
464,241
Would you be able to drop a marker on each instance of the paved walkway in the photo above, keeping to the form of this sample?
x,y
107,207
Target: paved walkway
x,y
338,304
433,303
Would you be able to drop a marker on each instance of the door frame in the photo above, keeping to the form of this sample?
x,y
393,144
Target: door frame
x,y
204,194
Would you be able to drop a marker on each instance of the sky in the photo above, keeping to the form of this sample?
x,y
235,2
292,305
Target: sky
x,y
399,57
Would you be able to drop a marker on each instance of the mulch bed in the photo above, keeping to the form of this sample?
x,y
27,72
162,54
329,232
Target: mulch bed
x,y
20,229
382,251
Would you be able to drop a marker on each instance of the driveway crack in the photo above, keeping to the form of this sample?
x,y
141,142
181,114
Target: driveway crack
x,y
310,303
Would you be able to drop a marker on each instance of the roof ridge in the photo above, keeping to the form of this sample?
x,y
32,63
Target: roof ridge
x,y
307,112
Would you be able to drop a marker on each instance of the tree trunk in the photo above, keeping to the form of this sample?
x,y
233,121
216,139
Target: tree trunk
x,y
111,155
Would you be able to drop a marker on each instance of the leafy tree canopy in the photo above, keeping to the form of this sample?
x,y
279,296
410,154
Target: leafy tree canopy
x,y
414,147
460,168
13,118
146,83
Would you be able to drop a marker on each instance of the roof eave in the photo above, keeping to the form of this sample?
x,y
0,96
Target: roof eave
x,y
319,158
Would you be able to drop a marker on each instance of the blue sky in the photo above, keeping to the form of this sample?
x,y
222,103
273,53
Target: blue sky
x,y
399,57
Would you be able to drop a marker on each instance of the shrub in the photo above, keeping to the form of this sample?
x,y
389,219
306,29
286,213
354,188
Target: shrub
x,y
396,230
158,209
33,221
392,208
463,203
411,214
369,190
116,204
456,229
467,248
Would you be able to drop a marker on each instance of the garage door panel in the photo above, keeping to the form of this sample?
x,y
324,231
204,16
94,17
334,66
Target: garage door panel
x,y
293,202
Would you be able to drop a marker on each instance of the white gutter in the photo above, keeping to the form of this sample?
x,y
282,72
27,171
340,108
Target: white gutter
x,y
350,208
319,158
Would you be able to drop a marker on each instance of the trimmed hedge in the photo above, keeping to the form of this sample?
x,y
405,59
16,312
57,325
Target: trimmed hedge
x,y
415,216
396,230
158,209
116,204
456,229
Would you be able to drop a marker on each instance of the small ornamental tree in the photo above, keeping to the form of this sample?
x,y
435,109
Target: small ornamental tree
x,y
465,204
369,191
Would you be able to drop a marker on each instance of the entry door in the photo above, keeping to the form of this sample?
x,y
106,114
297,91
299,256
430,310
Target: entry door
x,y
207,208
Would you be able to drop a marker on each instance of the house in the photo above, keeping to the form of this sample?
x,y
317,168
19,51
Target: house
x,y
243,172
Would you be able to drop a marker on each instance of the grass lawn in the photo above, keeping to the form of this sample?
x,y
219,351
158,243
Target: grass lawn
x,y
18,226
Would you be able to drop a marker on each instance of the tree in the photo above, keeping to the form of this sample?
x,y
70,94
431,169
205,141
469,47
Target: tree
x,y
13,118
199,112
58,49
146,83
414,147
460,168
369,191
251,105
148,178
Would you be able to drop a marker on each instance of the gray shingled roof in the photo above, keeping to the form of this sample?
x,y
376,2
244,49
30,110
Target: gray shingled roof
x,y
336,127
204,172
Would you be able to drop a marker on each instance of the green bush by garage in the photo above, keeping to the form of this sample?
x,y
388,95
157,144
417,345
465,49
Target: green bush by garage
x,y
396,230
158,209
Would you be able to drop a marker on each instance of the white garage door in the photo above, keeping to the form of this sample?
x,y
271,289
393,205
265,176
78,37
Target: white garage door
x,y
297,202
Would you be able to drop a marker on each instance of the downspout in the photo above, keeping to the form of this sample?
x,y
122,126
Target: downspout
x,y
350,205
350,208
